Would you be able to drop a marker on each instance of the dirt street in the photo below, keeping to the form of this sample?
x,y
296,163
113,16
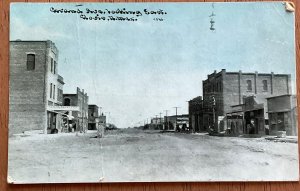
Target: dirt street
x,y
135,155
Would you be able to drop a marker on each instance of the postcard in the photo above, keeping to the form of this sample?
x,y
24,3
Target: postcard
x,y
152,92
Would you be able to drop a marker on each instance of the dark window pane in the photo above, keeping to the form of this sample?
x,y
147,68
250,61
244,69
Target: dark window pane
x,y
54,70
67,102
54,92
249,85
51,67
265,85
50,90
30,61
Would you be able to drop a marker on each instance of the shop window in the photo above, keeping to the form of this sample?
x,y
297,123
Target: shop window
x,y
30,61
249,85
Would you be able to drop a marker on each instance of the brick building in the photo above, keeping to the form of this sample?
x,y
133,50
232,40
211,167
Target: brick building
x,y
79,99
34,85
196,114
224,89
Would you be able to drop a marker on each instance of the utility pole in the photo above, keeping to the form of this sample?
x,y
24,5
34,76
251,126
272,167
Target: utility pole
x,y
100,110
147,124
156,120
167,124
107,116
214,113
176,118
160,124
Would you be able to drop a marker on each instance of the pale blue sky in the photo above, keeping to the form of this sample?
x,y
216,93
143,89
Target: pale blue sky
x,y
137,69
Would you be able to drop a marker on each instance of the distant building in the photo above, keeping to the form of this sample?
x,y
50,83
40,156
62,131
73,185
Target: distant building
x,y
177,123
224,89
156,123
196,114
79,99
95,121
34,86
93,117
102,119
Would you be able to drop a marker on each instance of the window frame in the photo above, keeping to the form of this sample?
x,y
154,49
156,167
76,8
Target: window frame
x,y
265,85
54,91
54,67
50,90
30,64
69,102
249,85
51,64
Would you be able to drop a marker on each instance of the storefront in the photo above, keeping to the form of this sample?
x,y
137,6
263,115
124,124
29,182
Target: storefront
x,y
60,119
282,113
235,120
52,122
254,116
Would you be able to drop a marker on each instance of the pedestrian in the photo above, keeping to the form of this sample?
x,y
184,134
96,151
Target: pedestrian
x,y
252,127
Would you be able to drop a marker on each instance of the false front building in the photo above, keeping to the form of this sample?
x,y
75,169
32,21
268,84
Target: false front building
x,y
34,86
176,123
196,114
282,111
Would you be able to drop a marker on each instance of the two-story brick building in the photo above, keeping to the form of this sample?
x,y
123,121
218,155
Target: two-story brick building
x,y
93,117
34,85
224,89
80,99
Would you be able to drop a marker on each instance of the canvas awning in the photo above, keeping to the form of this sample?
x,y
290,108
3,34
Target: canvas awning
x,y
70,117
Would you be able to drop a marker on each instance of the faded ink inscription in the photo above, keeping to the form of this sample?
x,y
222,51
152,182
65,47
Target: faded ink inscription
x,y
119,14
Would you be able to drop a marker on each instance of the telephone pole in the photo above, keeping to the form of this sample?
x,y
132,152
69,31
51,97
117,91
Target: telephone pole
x,y
176,118
160,120
100,109
156,121
167,124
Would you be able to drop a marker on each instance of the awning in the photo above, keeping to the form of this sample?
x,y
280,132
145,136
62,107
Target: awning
x,y
70,117
62,108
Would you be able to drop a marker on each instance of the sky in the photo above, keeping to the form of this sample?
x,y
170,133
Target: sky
x,y
137,70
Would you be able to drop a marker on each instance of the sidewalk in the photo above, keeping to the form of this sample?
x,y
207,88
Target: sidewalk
x,y
287,139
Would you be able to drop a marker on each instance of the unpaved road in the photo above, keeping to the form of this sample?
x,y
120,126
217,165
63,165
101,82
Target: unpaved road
x,y
135,155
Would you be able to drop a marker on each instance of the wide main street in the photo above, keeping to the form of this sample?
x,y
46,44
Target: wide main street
x,y
136,155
